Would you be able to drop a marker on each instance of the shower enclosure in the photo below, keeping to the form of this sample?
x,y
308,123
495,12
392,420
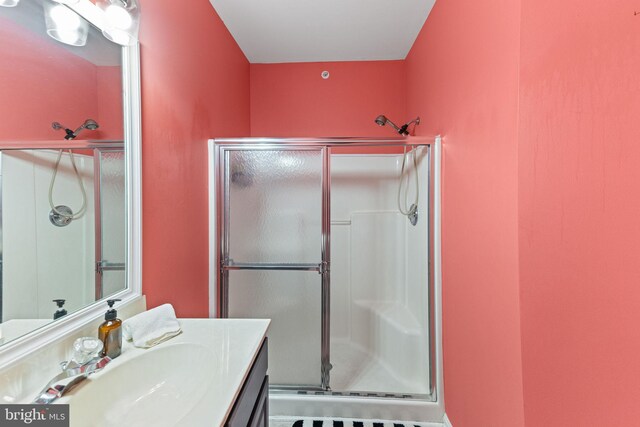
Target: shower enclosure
x,y
80,262
333,240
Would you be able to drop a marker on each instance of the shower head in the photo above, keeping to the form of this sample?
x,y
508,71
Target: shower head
x,y
88,124
382,120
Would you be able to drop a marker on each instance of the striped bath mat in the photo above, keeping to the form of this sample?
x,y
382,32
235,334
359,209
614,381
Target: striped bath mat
x,y
336,423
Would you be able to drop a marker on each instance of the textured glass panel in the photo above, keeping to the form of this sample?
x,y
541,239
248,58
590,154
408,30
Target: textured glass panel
x,y
113,219
275,202
291,299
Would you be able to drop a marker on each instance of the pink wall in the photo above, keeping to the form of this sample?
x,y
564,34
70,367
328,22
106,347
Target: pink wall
x,y
110,115
540,214
579,212
463,81
537,101
294,100
195,85
41,82
36,78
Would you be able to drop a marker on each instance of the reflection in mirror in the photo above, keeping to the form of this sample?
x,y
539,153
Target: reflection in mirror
x,y
48,81
62,166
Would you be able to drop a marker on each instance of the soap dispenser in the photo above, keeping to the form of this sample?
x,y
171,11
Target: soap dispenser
x,y
110,332
61,311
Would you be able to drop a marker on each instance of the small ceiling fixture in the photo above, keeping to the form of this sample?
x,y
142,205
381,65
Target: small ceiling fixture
x,y
121,20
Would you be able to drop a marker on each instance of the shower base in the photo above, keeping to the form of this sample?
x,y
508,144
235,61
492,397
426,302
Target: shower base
x,y
330,422
298,406
356,370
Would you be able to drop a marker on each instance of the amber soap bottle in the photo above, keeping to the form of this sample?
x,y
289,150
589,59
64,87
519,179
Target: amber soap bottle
x,y
110,332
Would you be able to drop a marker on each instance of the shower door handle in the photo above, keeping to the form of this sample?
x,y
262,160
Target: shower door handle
x,y
102,266
320,268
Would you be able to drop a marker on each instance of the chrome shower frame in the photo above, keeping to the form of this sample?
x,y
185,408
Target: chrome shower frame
x,y
101,265
322,268
220,267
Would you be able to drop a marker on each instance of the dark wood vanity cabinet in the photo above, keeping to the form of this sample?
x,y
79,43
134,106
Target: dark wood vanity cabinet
x,y
251,408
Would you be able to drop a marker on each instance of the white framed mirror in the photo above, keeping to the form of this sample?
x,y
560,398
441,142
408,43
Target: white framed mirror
x,y
101,161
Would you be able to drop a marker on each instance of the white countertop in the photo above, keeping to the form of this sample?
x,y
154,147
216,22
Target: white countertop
x,y
234,344
15,328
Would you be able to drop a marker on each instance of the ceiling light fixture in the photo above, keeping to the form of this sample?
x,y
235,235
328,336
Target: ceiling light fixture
x,y
9,3
122,20
65,25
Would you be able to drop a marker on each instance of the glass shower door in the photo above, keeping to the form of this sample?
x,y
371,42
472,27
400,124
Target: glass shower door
x,y
273,255
111,222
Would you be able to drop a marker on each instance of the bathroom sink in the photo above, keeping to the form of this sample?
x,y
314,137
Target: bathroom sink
x,y
191,380
156,387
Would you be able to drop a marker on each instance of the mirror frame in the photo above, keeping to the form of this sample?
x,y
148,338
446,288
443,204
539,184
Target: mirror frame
x,y
14,350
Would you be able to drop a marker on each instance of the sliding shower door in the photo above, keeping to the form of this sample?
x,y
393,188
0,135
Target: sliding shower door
x,y
110,222
274,254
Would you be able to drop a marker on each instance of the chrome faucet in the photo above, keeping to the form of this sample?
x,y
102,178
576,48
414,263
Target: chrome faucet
x,y
72,375
74,371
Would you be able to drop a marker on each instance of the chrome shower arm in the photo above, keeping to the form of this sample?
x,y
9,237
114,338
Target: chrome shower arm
x,y
403,130
393,125
382,120
70,134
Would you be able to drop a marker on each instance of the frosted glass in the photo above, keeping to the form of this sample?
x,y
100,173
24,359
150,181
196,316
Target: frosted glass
x,y
113,218
291,299
275,206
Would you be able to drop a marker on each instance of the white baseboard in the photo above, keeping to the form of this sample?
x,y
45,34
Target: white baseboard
x,y
446,421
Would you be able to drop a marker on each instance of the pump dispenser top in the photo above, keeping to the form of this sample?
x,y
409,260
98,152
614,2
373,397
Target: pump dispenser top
x,y
112,313
61,312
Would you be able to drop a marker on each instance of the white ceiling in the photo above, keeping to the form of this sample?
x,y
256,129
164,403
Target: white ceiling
x,y
273,31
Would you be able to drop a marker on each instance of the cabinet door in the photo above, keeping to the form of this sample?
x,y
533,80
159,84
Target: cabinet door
x,y
260,417
244,409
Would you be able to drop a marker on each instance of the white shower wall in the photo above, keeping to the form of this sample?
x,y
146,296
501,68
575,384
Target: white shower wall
x,y
42,262
379,278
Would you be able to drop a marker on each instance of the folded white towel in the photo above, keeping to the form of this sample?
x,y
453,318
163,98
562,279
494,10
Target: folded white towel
x,y
152,327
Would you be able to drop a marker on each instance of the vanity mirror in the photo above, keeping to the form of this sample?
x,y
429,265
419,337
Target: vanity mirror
x,y
69,170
